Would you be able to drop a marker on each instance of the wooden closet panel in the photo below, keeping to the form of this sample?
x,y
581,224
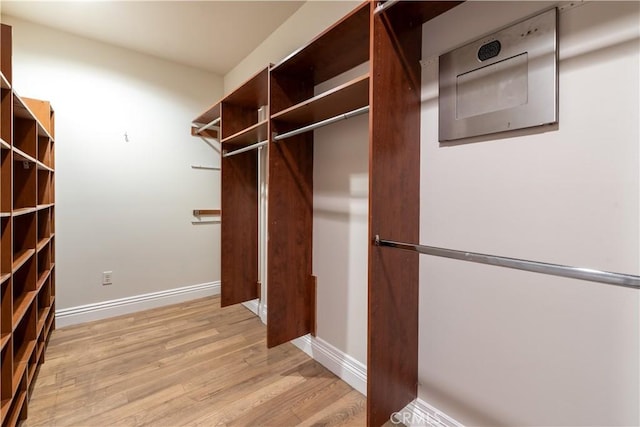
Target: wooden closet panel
x,y
290,230
394,206
239,203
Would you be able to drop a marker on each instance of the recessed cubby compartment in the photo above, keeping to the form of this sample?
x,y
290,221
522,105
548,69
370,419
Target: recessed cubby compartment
x,y
44,187
24,186
44,150
24,238
24,289
24,340
44,265
44,227
6,377
6,175
6,322
5,117
6,248
25,136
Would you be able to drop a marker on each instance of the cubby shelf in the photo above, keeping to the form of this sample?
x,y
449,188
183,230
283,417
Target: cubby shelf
x,y
27,279
339,100
208,116
4,83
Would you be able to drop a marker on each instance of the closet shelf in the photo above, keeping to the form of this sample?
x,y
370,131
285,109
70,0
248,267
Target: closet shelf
x,y
5,214
44,206
251,135
339,100
42,243
21,156
210,114
4,145
339,48
4,277
252,93
22,360
21,257
42,166
23,211
41,279
22,110
21,305
42,319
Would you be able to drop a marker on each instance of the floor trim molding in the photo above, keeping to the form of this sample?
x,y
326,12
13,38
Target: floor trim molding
x,y
420,413
350,370
105,309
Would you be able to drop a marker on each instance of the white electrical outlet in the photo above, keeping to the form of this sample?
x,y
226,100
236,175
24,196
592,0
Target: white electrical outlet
x,y
107,278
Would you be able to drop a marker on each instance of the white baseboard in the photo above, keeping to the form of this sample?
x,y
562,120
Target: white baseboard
x,y
117,307
252,306
421,414
344,366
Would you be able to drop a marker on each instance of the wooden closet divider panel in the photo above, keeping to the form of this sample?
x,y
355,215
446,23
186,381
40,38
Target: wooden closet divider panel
x,y
290,228
239,234
394,210
394,205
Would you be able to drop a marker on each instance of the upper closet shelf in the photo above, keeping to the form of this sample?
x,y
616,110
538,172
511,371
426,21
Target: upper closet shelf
x,y
338,49
4,144
251,135
208,123
339,100
22,110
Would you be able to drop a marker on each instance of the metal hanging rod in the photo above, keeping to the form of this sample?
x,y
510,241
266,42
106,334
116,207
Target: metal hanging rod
x,y
382,6
211,124
322,123
243,149
206,222
213,168
617,279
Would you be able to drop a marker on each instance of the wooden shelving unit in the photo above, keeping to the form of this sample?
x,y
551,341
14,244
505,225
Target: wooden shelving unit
x,y
291,287
27,244
390,91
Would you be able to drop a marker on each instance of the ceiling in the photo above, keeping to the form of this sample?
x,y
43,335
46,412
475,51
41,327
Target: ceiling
x,y
211,35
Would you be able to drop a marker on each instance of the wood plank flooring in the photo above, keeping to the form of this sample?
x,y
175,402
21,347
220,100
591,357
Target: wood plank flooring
x,y
191,364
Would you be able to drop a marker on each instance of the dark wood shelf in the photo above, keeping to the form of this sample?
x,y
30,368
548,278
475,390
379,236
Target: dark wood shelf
x,y
44,206
4,408
22,110
21,257
338,49
42,166
4,83
4,145
4,277
251,94
42,319
209,115
21,306
339,100
4,339
5,214
42,277
42,243
24,211
250,135
14,409
21,156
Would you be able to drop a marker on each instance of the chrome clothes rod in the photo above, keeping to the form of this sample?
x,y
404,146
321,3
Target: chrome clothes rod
x,y
213,168
384,6
617,279
325,122
206,222
212,123
243,149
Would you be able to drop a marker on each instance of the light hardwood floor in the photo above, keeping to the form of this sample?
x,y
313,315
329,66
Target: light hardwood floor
x,y
191,364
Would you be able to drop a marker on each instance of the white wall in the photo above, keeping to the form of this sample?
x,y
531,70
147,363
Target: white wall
x,y
311,19
122,206
503,347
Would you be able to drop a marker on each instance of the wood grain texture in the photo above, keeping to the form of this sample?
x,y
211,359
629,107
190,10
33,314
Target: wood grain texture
x,y
340,47
192,364
239,228
394,205
394,209
290,237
